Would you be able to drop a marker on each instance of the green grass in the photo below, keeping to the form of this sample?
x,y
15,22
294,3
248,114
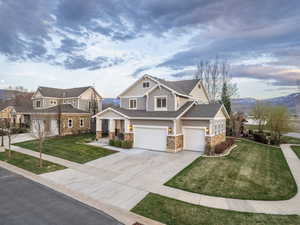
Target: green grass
x,y
72,148
290,140
296,150
174,212
29,163
251,171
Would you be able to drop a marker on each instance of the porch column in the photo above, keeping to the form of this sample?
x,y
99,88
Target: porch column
x,y
128,136
99,132
111,129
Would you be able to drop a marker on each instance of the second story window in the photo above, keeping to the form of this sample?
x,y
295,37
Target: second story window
x,y
38,104
161,103
146,84
81,122
53,102
132,103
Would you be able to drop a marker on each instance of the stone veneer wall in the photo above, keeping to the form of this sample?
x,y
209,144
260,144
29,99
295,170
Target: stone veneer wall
x,y
99,134
174,143
76,129
111,135
128,137
214,140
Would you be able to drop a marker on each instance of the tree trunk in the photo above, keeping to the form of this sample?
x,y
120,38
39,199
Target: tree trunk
x,y
9,143
40,150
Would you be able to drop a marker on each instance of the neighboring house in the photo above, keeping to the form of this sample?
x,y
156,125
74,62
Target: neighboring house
x,y
65,111
165,115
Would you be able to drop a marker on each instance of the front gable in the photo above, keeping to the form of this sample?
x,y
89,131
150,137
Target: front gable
x,y
37,94
87,94
137,88
199,93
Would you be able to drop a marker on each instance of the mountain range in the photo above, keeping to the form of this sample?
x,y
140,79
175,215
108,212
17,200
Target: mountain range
x,y
292,102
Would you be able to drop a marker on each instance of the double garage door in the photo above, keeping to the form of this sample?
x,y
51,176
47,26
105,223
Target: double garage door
x,y
147,137
194,139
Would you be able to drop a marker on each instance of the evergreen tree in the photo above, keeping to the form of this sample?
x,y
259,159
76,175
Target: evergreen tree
x,y
225,98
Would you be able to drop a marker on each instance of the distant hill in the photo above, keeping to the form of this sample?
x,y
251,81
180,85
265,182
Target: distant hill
x,y
290,101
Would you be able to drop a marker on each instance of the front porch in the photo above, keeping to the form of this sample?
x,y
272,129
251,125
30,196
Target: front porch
x,y
114,129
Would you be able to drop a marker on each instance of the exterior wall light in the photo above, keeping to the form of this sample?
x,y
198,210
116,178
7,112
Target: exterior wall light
x,y
130,127
207,130
170,130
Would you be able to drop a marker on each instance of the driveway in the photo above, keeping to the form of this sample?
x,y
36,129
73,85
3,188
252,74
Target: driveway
x,y
125,178
26,202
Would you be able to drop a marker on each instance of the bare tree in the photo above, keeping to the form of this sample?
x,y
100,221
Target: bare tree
x,y
214,74
40,133
260,113
2,125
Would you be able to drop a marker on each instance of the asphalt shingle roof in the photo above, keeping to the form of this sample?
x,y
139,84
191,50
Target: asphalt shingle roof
x,y
64,108
159,114
203,110
60,93
181,86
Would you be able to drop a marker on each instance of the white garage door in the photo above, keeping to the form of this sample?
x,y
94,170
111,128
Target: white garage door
x,y
150,138
54,127
194,139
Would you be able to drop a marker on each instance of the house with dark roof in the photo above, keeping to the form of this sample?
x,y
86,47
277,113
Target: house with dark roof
x,y
64,111
163,115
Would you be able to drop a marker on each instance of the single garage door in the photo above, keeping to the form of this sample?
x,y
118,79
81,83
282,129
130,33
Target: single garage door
x,y
153,138
194,139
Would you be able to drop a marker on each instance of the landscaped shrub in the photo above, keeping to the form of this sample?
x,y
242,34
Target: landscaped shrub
x,y
111,142
250,132
118,143
126,144
222,147
18,130
121,144
260,137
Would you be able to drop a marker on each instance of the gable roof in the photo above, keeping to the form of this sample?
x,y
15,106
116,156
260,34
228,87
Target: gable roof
x,y
64,108
136,114
62,93
181,86
205,111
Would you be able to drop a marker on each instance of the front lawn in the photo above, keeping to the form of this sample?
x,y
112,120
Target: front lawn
x,y
72,148
174,212
29,163
296,150
251,171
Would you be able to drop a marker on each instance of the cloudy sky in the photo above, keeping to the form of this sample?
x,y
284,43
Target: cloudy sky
x,y
110,43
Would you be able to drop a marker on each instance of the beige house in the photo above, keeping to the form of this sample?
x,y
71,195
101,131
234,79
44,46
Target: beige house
x,y
64,111
165,116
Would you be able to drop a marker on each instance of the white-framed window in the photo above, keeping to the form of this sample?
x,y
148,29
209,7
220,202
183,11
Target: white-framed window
x,y
70,123
38,104
81,122
161,103
132,103
65,101
146,84
74,101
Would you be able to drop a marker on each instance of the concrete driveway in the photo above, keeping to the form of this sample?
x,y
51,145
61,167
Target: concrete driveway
x,y
125,178
26,202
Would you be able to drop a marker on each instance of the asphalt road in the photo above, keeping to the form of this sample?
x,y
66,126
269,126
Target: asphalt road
x,y
24,202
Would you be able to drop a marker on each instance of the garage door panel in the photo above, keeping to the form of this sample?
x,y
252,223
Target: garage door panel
x,y
194,139
150,138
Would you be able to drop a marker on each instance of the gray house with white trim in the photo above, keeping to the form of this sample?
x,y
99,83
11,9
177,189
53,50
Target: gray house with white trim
x,y
165,116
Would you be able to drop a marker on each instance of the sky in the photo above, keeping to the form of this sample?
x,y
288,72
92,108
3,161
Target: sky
x,y
111,43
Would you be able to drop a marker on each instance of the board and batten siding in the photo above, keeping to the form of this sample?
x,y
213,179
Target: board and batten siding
x,y
199,94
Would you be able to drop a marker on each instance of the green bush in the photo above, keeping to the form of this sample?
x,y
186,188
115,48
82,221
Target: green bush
x,y
121,144
126,144
18,130
111,142
118,143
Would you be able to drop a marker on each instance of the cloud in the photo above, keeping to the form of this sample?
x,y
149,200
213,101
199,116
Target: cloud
x,y
80,62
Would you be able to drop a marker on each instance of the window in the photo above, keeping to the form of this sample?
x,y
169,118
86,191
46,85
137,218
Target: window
x,y
132,103
70,123
146,84
53,102
38,104
65,101
81,122
161,103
